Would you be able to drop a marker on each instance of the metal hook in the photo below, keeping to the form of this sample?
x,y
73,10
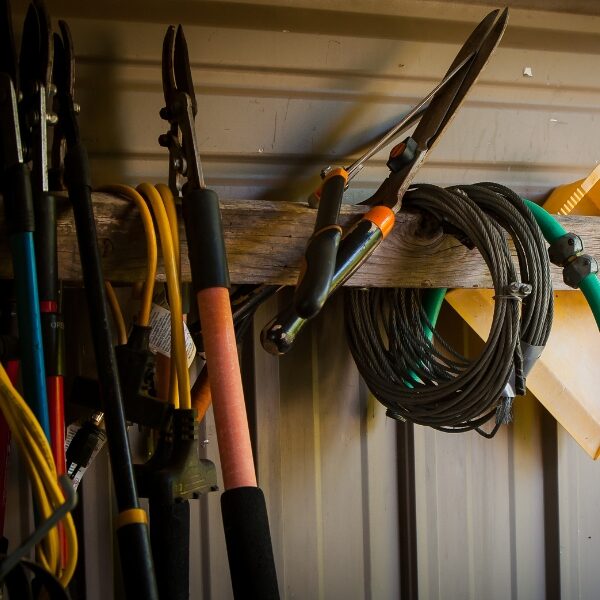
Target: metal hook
x,y
13,559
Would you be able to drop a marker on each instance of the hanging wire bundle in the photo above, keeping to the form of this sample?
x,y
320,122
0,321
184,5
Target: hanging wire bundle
x,y
408,365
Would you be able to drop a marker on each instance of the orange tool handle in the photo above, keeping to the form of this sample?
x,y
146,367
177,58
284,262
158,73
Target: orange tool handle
x,y
231,422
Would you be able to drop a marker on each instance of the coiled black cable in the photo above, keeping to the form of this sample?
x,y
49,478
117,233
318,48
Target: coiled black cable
x,y
409,367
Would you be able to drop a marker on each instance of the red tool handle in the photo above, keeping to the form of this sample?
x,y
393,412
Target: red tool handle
x,y
56,408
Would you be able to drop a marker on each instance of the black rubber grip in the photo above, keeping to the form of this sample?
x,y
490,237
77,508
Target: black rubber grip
x,y
18,200
315,280
330,202
45,246
53,338
170,539
279,335
249,549
206,245
136,562
319,257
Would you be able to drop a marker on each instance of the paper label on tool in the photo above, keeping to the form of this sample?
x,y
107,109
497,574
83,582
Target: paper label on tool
x,y
160,334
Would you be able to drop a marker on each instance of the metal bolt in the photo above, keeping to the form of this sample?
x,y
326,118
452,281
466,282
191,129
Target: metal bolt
x,y
76,108
177,164
325,172
164,140
525,289
51,118
165,113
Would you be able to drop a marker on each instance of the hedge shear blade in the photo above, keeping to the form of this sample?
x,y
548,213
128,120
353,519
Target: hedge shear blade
x,y
180,110
407,157
362,239
436,111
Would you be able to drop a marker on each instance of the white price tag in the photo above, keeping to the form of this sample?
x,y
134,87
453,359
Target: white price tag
x,y
160,334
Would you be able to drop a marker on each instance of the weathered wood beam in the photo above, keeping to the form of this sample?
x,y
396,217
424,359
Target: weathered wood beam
x,y
265,242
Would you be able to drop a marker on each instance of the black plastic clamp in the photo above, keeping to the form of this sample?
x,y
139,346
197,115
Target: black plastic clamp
x,y
578,269
563,249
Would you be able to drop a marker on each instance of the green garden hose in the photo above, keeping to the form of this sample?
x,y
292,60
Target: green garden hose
x,y
552,230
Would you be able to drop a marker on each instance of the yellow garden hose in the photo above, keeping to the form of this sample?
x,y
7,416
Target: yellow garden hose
x,y
37,457
169,203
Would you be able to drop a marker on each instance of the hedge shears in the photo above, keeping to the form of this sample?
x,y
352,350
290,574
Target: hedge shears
x,y
343,259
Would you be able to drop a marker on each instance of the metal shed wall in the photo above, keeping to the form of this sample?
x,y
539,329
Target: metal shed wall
x,y
286,88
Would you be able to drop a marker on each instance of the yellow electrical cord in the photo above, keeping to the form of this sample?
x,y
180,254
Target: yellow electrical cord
x,y
37,457
132,195
117,314
169,203
153,196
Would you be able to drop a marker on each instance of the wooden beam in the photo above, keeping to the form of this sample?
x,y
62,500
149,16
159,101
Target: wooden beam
x,y
265,242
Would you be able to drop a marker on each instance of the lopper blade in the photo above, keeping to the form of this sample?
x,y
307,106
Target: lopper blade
x,y
168,73
183,73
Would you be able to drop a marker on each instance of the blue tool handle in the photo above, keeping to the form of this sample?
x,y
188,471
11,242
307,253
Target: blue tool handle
x,y
30,328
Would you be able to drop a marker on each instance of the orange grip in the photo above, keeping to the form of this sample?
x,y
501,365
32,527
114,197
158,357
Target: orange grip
x,y
383,217
201,397
231,422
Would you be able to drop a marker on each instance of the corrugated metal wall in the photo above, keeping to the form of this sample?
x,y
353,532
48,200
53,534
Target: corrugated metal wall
x,y
284,90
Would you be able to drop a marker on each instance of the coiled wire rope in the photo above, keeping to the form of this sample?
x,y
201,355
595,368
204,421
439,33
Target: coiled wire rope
x,y
407,364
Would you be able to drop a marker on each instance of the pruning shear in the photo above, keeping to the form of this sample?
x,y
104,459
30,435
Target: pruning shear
x,y
243,505
405,160
131,521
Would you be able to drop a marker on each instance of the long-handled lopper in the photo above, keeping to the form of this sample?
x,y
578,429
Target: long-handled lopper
x,y
243,505
405,160
132,529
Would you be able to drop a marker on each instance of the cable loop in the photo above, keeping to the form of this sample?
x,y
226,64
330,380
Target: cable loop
x,y
408,366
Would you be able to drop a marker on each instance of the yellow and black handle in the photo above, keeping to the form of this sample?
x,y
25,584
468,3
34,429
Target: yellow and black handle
x,y
317,272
